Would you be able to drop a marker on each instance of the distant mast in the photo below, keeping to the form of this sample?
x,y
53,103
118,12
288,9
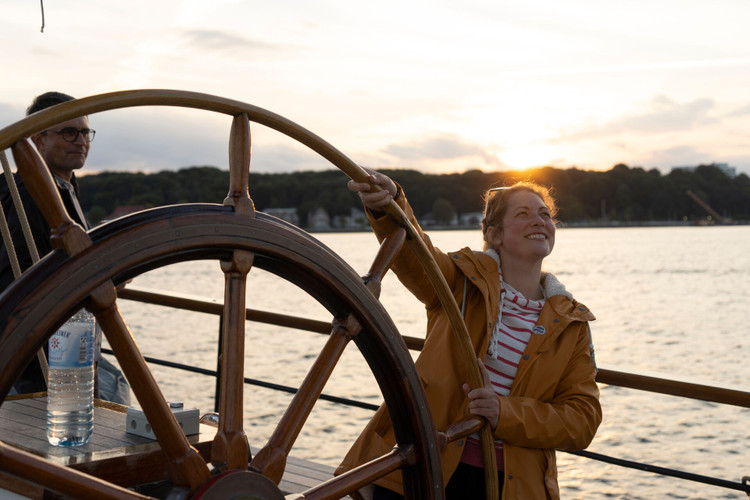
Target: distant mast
x,y
706,207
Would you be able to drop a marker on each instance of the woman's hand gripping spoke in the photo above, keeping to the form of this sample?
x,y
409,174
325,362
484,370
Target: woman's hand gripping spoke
x,y
483,401
371,199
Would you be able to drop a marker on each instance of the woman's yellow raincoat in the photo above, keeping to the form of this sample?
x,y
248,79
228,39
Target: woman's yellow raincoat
x,y
554,400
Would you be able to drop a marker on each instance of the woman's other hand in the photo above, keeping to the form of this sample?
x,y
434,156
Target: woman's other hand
x,y
374,200
483,401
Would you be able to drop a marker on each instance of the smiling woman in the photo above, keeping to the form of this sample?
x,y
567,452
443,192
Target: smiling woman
x,y
539,391
519,225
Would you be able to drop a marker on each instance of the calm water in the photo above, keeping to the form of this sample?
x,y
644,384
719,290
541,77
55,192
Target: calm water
x,y
673,301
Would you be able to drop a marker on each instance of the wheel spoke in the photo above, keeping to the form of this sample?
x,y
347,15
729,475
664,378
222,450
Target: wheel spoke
x,y
239,166
271,459
125,248
383,260
66,481
230,447
38,180
187,468
460,429
363,475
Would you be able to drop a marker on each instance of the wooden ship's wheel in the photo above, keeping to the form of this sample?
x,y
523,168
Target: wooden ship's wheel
x,y
85,269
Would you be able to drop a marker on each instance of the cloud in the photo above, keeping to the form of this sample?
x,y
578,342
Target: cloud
x,y
666,65
441,147
214,40
678,156
278,158
743,111
151,140
662,116
10,113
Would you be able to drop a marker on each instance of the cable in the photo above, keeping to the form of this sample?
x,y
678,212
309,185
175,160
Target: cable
x,y
662,470
723,483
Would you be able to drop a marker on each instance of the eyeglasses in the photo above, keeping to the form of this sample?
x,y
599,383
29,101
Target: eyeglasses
x,y
503,188
70,134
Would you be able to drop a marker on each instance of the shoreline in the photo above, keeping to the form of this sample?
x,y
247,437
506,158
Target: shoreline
x,y
562,225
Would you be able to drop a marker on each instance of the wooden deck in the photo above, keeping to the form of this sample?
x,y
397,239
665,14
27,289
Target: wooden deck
x,y
114,455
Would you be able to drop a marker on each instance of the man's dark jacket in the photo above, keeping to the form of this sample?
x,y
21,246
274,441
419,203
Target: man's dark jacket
x,y
31,380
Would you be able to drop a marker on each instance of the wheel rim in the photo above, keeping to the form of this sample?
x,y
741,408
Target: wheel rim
x,y
75,241
190,232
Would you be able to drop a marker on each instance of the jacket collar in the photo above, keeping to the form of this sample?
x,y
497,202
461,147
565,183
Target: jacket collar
x,y
550,284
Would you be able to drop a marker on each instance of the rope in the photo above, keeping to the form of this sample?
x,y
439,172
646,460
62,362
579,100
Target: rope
x,y
28,236
42,2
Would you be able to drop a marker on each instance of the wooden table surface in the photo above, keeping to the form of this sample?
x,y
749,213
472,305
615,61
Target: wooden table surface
x,y
114,455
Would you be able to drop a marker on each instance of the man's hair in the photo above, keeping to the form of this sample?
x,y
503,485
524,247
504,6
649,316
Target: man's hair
x,y
46,100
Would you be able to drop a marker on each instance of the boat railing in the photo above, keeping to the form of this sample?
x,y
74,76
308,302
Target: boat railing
x,y
605,376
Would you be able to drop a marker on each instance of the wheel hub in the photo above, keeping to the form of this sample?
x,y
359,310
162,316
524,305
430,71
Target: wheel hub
x,y
239,485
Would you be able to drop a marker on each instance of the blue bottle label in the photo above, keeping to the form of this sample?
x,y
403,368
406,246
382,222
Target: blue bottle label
x,y
72,346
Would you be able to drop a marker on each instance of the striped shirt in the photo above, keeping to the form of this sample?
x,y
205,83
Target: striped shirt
x,y
513,329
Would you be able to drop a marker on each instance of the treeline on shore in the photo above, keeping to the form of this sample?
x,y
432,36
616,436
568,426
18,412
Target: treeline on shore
x,y
621,194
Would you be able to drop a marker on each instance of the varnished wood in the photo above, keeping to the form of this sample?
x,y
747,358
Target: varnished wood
x,y
200,304
65,233
67,481
460,429
186,467
606,375
112,455
239,166
49,297
160,97
271,460
458,328
99,285
387,252
231,449
208,233
359,477
682,388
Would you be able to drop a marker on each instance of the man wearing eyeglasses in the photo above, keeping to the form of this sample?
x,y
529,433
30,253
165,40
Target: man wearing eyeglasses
x,y
64,149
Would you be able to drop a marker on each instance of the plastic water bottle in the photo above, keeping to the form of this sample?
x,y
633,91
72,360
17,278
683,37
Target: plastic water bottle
x,y
70,388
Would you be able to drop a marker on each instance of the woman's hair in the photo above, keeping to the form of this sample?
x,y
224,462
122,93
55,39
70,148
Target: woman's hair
x,y
496,204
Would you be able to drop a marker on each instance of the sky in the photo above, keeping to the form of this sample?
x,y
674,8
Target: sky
x,y
433,86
